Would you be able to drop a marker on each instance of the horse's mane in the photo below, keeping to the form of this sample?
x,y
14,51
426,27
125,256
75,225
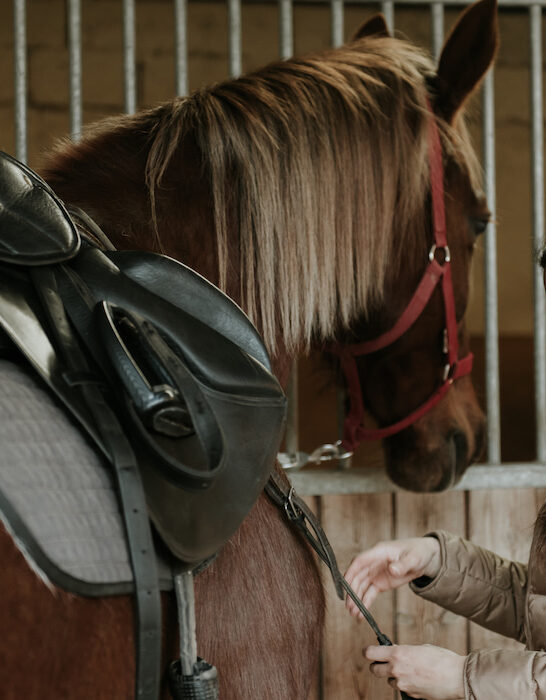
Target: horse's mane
x,y
321,161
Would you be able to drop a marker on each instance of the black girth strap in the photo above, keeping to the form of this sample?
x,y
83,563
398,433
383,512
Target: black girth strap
x,y
298,513
132,498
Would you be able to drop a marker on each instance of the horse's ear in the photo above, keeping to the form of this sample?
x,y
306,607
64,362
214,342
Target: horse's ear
x,y
467,54
375,26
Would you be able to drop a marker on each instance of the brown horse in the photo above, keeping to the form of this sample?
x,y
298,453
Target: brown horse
x,y
303,190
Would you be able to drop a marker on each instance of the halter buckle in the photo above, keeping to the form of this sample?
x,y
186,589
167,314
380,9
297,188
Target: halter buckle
x,y
449,371
434,248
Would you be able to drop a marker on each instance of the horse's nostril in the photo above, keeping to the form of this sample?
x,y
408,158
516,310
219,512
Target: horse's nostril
x,y
460,444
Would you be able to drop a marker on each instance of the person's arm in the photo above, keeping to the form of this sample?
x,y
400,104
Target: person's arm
x,y
477,584
505,674
434,673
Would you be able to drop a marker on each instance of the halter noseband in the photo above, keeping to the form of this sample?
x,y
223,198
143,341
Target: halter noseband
x,y
354,431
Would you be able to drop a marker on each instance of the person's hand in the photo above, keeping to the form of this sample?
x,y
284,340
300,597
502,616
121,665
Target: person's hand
x,y
390,565
426,671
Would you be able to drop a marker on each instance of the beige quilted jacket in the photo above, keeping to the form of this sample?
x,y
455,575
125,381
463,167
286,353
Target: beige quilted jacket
x,y
503,596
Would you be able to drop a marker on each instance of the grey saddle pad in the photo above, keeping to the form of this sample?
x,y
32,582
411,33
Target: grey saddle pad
x,y
57,493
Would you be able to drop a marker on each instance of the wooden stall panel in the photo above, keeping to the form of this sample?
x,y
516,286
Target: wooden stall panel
x,y
353,523
418,621
502,521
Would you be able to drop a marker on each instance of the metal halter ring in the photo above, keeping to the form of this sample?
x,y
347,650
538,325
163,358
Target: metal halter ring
x,y
445,248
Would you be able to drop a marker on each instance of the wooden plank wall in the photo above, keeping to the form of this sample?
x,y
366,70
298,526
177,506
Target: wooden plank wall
x,y
499,520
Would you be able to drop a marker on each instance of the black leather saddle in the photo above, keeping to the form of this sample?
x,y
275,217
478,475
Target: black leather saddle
x,y
180,362
163,371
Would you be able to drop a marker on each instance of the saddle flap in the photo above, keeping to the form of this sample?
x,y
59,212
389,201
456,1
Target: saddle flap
x,y
213,357
229,394
35,228
191,292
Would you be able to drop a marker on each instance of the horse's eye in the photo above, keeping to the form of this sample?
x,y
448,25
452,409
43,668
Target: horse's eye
x,y
479,225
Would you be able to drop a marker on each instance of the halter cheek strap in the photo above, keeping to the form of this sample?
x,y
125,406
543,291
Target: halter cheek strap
x,y
438,269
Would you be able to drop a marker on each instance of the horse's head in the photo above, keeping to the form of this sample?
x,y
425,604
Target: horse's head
x,y
303,190
399,360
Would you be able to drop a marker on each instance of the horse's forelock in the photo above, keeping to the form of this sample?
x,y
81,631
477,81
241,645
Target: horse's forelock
x,y
325,160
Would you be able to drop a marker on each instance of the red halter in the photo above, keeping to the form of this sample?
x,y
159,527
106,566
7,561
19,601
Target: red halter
x,y
354,431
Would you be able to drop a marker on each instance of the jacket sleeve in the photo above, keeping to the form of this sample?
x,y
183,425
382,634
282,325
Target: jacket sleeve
x,y
479,585
505,674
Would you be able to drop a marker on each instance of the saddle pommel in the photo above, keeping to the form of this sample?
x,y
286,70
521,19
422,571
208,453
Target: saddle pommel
x,y
35,228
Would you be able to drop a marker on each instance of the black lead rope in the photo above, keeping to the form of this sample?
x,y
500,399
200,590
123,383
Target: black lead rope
x,y
301,516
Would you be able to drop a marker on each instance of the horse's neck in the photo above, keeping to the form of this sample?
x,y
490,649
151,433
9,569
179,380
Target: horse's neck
x,y
118,199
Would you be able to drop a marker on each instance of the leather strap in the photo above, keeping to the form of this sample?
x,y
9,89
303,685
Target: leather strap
x,y
191,413
132,498
436,271
297,512
354,430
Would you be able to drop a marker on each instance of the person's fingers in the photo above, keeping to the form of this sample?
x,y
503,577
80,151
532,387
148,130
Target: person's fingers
x,y
363,587
357,575
378,653
380,669
359,563
352,608
370,595
377,555
359,589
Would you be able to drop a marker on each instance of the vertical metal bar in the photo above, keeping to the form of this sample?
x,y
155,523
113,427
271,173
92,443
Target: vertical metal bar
x,y
286,45
292,423
20,76
337,28
75,63
181,46
491,286
535,26
129,56
387,8
235,48
286,29
437,26
336,38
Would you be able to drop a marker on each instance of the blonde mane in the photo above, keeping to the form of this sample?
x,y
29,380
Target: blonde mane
x,y
321,161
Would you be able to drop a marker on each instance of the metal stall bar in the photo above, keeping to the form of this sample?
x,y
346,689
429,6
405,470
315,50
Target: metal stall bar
x,y
181,46
235,49
20,77
387,8
337,29
286,28
337,38
129,56
286,49
491,290
535,26
291,438
75,63
437,28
